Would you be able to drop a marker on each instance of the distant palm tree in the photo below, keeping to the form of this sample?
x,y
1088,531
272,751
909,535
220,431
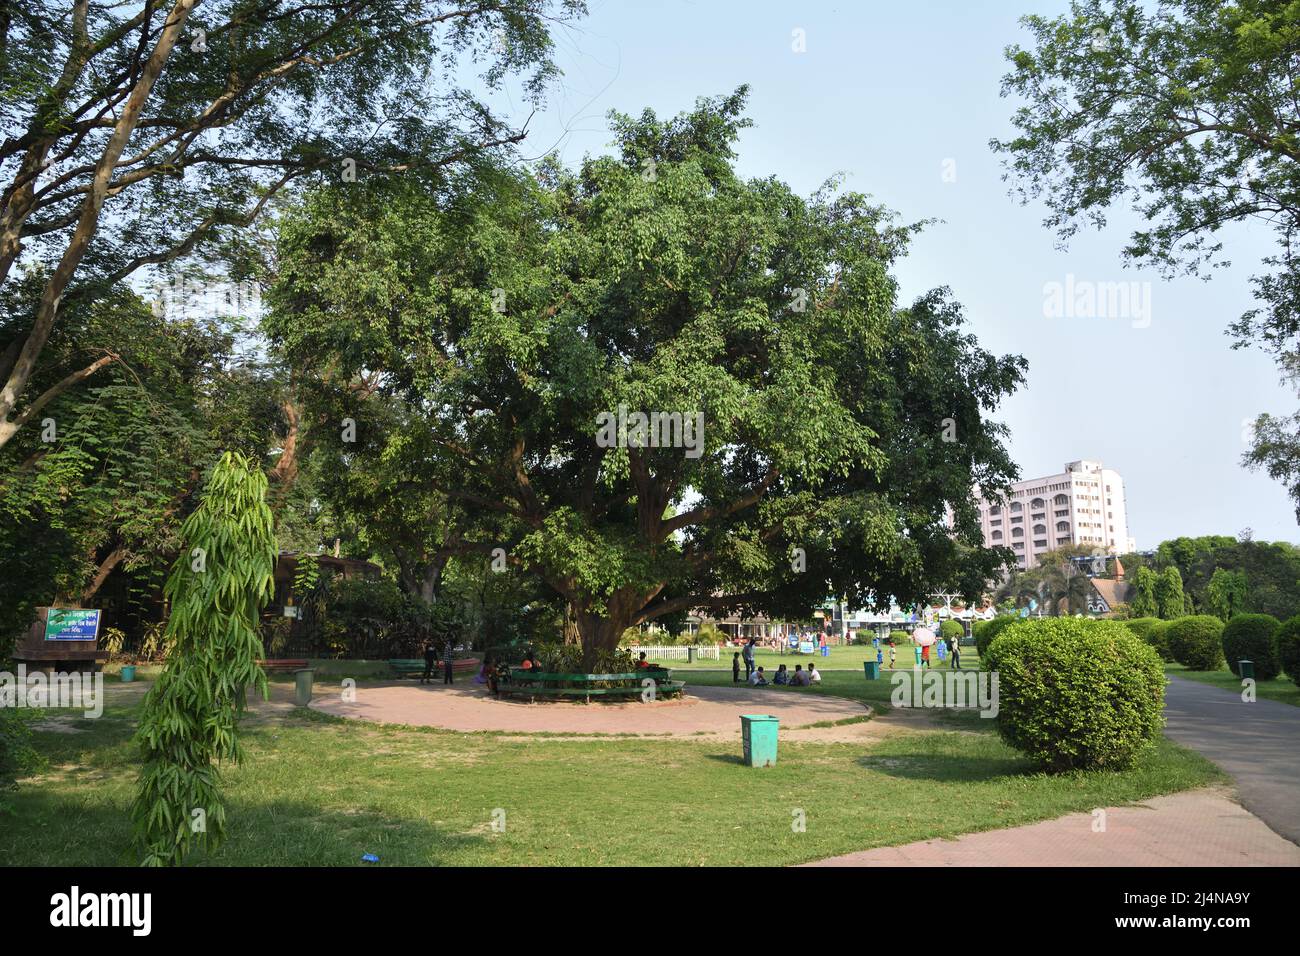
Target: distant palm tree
x,y
1065,582
1020,588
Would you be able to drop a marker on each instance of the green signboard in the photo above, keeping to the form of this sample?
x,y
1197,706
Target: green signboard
x,y
71,624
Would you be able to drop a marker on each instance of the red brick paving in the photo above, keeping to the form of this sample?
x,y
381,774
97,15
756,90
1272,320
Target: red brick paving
x,y
1198,828
468,707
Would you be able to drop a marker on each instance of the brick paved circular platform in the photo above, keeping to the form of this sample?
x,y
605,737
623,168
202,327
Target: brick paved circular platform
x,y
470,708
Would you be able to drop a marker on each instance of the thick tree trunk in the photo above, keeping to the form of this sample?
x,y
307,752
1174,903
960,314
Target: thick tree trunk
x,y
601,633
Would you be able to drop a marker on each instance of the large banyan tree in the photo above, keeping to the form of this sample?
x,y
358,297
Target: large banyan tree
x,y
804,434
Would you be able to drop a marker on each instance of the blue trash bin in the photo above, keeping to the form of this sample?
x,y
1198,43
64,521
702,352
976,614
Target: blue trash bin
x,y
873,670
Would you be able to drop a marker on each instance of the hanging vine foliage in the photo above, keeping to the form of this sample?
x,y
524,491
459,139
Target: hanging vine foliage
x,y
188,726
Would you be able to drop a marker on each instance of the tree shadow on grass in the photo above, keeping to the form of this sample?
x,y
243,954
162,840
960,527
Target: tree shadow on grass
x,y
52,829
945,768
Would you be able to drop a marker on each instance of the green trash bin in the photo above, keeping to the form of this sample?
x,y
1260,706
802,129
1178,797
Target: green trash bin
x,y
302,686
128,673
1246,669
690,655
759,734
872,668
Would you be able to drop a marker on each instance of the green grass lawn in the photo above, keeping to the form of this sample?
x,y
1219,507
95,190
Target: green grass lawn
x,y
321,791
1281,689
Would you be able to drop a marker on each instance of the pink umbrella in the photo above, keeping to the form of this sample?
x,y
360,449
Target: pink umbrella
x,y
923,637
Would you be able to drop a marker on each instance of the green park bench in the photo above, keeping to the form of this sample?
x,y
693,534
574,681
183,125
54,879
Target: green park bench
x,y
527,683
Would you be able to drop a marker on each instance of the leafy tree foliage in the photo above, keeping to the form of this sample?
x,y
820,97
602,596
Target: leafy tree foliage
x,y
138,134
1170,600
189,721
1270,572
1144,604
658,280
1185,110
1226,593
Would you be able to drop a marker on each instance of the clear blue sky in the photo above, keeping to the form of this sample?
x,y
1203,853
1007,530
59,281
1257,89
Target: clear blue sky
x,y
885,93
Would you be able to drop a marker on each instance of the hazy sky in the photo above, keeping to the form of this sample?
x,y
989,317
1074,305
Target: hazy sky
x,y
903,98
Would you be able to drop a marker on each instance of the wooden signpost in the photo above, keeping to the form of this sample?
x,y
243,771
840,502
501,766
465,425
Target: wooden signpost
x,y
62,639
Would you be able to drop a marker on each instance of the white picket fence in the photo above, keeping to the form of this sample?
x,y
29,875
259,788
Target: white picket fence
x,y
709,652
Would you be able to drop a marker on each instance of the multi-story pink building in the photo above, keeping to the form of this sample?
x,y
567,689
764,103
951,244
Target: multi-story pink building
x,y
1083,505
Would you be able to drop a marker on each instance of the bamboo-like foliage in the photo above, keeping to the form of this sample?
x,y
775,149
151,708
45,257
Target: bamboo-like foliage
x,y
217,589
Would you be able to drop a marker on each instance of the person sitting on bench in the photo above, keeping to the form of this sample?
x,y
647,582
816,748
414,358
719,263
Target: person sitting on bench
x,y
642,662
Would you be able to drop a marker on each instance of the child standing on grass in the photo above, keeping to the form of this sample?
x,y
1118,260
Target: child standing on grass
x,y
735,668
893,654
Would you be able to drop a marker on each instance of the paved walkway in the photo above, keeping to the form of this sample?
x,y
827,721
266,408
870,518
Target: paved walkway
x,y
1199,828
468,707
1257,743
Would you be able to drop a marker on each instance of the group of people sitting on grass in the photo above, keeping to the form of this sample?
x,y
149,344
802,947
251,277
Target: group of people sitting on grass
x,y
783,676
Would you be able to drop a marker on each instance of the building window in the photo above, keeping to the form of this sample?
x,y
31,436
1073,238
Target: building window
x,y
1062,526
1017,532
1061,500
996,536
1016,506
1040,544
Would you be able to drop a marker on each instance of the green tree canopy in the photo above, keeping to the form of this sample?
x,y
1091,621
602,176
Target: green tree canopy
x,y
1144,602
1170,600
1185,110
135,135
523,318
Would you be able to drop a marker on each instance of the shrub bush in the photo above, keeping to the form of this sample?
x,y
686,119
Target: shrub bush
x,y
1253,637
952,630
900,637
374,619
1149,629
987,630
17,755
1077,694
1196,641
862,637
709,634
1288,648
567,659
